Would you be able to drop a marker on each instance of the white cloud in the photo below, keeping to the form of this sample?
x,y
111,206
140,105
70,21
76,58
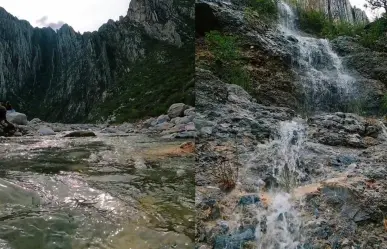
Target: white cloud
x,y
44,22
82,15
360,4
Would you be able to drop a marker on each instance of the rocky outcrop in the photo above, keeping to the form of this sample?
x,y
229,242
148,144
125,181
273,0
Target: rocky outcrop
x,y
340,171
338,10
177,124
67,76
369,67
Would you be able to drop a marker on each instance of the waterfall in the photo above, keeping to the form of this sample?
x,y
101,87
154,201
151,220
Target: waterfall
x,y
279,224
326,85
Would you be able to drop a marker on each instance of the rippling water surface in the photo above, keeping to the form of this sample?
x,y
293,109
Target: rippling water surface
x,y
102,192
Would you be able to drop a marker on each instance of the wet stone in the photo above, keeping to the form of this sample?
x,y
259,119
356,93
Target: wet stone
x,y
248,200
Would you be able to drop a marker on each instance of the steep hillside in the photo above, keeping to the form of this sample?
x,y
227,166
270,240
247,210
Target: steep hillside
x,y
339,10
130,68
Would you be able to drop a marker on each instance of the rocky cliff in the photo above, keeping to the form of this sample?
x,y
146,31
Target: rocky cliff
x,y
130,68
266,176
339,10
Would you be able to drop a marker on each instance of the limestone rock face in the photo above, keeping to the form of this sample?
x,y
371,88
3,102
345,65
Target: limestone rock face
x,y
71,77
336,9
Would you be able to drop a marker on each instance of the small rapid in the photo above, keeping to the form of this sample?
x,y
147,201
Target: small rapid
x,y
106,192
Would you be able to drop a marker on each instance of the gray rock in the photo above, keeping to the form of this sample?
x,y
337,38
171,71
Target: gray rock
x,y
190,127
188,134
46,131
35,121
84,61
182,120
17,118
162,119
18,134
109,130
190,112
150,122
80,134
164,126
177,110
206,130
126,127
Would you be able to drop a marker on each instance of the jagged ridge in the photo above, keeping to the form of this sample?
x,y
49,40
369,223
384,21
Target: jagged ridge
x,y
71,77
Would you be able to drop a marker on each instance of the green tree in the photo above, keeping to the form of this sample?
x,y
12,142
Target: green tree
x,y
377,4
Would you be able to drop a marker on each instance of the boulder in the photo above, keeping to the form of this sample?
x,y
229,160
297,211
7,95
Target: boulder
x,y
35,121
17,118
126,127
190,112
177,110
182,120
46,131
150,122
162,119
81,134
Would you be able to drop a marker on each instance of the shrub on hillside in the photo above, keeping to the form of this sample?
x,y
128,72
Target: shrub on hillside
x,y
226,65
224,47
264,7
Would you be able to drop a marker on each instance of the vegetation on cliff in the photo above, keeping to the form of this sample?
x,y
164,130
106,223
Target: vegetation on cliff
x,y
318,23
221,54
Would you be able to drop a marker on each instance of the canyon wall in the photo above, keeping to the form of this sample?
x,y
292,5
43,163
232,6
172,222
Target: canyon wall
x,y
125,69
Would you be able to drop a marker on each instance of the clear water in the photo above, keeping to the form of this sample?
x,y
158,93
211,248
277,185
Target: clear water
x,y
101,192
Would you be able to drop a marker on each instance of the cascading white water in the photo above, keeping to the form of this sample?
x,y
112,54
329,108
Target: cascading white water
x,y
326,85
281,229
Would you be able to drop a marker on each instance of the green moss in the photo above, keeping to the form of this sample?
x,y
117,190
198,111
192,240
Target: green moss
x,y
224,47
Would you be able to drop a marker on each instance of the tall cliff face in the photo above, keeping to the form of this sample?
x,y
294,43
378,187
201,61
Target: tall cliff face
x,y
339,10
130,68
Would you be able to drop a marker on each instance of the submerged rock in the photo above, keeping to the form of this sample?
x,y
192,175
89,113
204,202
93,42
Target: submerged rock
x,y
80,134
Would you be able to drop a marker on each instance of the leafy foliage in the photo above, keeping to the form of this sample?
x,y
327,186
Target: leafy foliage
x,y
312,21
384,103
377,4
164,77
264,7
317,23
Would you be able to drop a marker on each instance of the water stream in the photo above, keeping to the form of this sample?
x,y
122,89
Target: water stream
x,y
100,193
327,87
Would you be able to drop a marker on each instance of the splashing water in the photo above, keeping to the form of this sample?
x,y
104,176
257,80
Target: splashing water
x,y
279,224
282,225
326,85
290,140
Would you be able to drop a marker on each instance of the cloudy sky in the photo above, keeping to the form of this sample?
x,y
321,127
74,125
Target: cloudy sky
x,y
82,15
360,4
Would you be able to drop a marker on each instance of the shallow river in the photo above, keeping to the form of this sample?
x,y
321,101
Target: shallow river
x,y
102,192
